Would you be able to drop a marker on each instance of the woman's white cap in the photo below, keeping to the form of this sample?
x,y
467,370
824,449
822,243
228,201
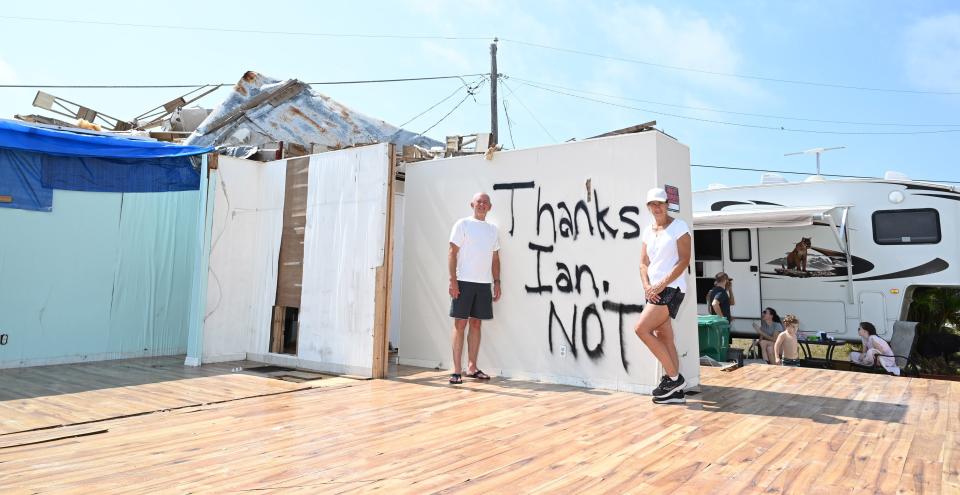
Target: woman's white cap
x,y
657,194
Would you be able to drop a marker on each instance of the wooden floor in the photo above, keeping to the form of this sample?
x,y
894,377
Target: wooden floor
x,y
758,429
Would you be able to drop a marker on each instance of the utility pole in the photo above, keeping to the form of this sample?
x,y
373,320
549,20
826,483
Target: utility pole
x,y
493,92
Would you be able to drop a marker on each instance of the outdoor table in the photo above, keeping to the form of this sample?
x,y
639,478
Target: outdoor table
x,y
808,356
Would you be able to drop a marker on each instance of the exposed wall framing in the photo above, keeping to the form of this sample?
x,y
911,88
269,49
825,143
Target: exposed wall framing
x,y
381,331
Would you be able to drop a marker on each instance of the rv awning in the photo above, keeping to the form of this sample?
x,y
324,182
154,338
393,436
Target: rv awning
x,y
760,218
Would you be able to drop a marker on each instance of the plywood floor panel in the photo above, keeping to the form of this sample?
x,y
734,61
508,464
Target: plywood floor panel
x,y
154,426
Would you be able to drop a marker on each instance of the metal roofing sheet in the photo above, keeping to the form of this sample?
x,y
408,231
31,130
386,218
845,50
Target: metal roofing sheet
x,y
263,110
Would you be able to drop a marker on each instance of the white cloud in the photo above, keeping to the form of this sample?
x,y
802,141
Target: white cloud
x,y
679,38
7,74
932,53
445,8
450,56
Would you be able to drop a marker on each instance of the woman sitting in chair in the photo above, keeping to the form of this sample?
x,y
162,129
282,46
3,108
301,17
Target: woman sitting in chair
x,y
874,347
767,330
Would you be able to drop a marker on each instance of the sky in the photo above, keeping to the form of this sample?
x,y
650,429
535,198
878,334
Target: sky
x,y
740,82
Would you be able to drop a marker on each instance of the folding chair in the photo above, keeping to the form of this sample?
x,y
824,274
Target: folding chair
x,y
902,342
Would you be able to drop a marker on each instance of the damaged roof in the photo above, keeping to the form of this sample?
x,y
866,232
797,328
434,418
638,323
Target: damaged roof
x,y
263,110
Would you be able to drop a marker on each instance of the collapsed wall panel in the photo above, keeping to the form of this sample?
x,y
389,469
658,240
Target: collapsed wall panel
x,y
347,214
343,237
242,277
570,219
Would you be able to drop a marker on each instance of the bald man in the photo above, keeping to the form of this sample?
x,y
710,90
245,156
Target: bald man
x,y
474,265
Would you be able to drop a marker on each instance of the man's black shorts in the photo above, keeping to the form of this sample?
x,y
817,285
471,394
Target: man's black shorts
x,y
475,301
671,297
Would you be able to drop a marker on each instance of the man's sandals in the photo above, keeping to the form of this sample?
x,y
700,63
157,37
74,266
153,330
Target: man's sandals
x,y
478,375
456,379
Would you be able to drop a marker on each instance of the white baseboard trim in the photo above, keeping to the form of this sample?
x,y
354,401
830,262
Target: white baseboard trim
x,y
222,358
85,358
576,381
296,362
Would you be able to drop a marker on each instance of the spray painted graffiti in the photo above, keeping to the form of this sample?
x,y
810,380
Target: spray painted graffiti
x,y
558,225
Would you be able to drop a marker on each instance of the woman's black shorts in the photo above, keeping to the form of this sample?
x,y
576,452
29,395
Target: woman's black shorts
x,y
671,297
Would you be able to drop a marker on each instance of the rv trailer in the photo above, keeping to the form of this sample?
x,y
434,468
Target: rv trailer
x,y
832,252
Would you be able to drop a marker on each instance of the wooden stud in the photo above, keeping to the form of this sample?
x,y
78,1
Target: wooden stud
x,y
276,329
384,281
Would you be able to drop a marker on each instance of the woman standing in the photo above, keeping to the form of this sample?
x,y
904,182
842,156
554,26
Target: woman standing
x,y
768,329
874,346
664,258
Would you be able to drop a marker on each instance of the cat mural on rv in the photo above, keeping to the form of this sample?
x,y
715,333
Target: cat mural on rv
x,y
807,260
797,259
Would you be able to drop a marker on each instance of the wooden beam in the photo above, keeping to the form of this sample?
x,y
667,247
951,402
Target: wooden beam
x,y
381,324
628,130
276,329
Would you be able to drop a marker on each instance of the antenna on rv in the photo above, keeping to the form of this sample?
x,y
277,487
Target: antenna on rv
x,y
815,151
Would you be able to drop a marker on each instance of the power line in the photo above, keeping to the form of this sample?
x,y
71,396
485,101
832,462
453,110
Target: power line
x,y
470,92
725,74
522,104
748,114
506,112
107,86
435,105
473,38
792,172
168,86
741,124
246,31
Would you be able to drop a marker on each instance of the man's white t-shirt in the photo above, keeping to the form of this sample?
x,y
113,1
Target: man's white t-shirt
x,y
477,241
662,251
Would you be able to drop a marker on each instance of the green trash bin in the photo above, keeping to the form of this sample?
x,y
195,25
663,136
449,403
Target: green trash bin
x,y
714,336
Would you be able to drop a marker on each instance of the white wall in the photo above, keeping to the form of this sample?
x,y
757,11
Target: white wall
x,y
242,283
344,246
517,342
101,276
397,289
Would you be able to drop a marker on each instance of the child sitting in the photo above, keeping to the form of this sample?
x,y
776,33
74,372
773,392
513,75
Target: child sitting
x,y
786,349
875,350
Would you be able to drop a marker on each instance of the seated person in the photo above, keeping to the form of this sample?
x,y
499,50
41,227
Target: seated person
x,y
874,346
768,329
786,350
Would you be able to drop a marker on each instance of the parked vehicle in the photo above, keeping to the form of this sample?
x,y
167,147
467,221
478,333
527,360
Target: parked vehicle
x,y
833,252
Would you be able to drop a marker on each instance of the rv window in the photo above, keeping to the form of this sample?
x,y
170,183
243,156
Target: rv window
x,y
706,245
916,226
740,245
703,287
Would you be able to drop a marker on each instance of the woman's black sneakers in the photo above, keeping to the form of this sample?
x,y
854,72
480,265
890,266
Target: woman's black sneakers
x,y
668,387
676,397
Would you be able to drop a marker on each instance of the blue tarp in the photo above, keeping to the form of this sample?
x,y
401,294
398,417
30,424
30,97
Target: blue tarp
x,y
62,142
21,182
36,159
120,175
